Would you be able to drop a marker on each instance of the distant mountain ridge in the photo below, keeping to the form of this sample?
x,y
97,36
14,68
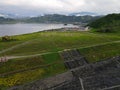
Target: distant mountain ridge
x,y
49,18
6,20
54,18
84,14
13,16
4,15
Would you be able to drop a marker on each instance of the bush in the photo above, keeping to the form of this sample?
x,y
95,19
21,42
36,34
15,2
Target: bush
x,y
7,38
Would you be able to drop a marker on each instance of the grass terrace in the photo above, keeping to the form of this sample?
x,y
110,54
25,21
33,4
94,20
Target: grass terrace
x,y
47,60
43,42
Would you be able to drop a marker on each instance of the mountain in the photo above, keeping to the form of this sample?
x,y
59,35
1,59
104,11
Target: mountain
x,y
50,18
13,16
6,20
109,23
7,15
56,18
84,14
4,15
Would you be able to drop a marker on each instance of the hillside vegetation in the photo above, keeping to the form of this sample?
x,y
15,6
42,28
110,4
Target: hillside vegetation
x,y
24,70
56,18
6,20
47,60
101,52
43,42
109,23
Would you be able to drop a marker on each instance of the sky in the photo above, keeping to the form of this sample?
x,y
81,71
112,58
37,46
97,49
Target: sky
x,y
37,7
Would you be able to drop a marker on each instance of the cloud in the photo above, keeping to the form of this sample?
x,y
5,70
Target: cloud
x,y
59,6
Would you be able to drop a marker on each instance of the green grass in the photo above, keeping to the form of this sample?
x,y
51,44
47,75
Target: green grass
x,y
94,46
28,76
30,62
37,67
21,63
101,52
43,42
54,64
50,58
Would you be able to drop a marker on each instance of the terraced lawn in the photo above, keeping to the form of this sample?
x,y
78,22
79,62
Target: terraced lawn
x,y
24,70
43,42
101,52
17,71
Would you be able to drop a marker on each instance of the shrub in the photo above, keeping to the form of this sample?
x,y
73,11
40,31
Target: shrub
x,y
7,38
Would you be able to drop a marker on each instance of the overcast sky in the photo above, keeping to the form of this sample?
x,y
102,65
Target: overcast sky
x,y
36,7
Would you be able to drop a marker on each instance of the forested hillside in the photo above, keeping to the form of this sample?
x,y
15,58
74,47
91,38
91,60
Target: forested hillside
x,y
52,18
56,18
6,20
109,23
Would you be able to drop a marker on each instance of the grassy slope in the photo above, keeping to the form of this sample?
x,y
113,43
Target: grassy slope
x,y
100,52
55,41
35,68
50,64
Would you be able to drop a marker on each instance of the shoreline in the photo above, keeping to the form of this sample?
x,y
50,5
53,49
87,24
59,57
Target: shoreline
x,y
19,29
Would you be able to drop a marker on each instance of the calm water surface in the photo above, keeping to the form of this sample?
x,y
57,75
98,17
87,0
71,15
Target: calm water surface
x,y
17,29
